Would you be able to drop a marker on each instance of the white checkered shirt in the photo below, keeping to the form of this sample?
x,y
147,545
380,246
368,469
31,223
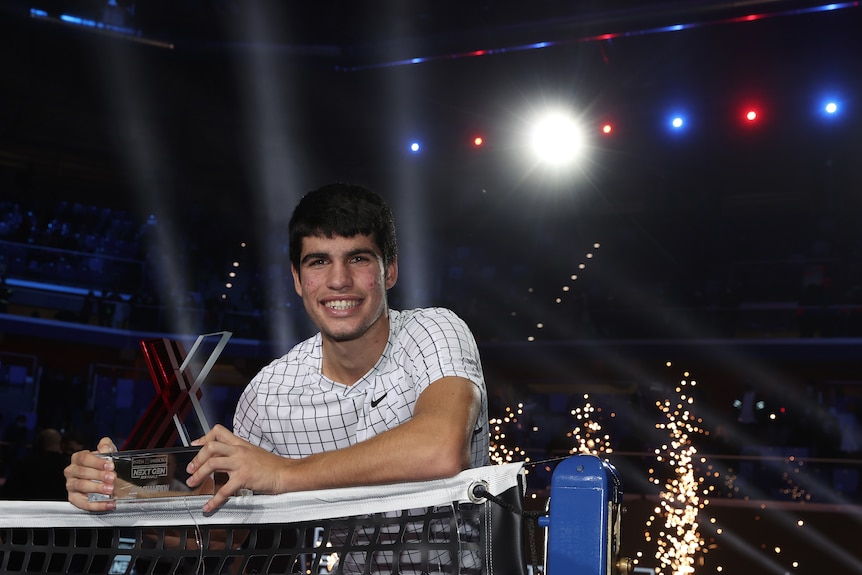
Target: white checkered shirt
x,y
292,409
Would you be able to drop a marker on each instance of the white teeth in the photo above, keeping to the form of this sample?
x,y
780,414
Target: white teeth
x,y
341,304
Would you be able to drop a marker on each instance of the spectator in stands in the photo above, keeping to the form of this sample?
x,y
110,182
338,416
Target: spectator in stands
x,y
845,410
39,475
72,443
87,306
377,396
107,306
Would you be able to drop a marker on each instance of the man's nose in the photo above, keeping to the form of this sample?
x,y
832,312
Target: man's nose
x,y
339,276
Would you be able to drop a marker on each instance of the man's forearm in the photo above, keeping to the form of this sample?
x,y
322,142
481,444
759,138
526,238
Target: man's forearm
x,y
434,444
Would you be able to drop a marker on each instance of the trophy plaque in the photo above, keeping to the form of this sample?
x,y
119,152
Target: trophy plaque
x,y
150,464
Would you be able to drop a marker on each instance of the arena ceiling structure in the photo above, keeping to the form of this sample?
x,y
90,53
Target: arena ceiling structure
x,y
457,70
689,112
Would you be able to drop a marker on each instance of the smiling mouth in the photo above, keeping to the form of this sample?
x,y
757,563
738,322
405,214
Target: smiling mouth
x,y
341,304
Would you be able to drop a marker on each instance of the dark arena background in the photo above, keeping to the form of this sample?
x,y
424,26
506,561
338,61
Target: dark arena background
x,y
648,213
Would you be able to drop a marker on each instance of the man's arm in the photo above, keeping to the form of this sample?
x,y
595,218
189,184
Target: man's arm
x,y
433,444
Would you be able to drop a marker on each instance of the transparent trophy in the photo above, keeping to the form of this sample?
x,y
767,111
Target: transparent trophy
x,y
152,461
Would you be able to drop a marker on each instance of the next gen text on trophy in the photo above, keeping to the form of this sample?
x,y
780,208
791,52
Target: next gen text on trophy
x,y
152,461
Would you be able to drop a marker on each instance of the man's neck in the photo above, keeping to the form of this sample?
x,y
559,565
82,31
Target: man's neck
x,y
346,362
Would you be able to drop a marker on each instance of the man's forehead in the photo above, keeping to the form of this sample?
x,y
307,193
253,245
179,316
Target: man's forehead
x,y
336,243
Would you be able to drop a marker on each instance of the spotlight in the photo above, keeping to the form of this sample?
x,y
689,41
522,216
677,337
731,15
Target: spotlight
x,y
830,107
415,147
557,139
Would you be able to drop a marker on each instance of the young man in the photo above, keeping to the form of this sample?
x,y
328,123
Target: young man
x,y
377,396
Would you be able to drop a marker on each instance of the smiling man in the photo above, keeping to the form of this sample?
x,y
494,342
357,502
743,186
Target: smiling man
x,y
377,396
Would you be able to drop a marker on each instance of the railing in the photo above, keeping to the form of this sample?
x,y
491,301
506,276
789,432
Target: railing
x,y
74,269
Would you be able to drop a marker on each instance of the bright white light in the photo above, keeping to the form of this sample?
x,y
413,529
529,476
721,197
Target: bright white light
x,y
414,147
677,122
831,108
557,139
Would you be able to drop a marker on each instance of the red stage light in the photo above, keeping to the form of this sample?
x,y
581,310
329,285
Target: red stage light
x,y
478,141
751,115
607,129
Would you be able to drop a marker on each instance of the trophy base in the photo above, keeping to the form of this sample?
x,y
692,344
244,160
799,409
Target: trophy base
x,y
153,473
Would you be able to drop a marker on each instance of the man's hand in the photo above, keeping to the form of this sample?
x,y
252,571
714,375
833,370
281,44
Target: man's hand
x,y
247,466
89,473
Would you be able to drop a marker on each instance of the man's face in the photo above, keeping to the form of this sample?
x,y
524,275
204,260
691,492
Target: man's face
x,y
342,283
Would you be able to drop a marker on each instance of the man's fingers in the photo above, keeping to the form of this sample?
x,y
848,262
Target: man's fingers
x,y
81,501
209,459
83,487
219,498
86,465
106,446
231,486
82,476
222,435
198,474
94,461
218,433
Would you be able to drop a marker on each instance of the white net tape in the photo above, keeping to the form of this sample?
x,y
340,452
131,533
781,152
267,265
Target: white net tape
x,y
289,507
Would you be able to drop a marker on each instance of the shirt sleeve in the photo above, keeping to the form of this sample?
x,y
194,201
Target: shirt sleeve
x,y
439,344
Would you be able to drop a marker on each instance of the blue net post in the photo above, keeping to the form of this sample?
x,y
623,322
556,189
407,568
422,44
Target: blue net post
x,y
583,517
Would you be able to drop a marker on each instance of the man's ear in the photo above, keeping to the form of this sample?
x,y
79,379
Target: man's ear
x,y
391,274
297,285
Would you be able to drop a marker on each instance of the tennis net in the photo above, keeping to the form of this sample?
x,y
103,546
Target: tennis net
x,y
447,526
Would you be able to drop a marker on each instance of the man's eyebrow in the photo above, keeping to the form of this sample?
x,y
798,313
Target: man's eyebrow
x,y
314,256
326,255
362,251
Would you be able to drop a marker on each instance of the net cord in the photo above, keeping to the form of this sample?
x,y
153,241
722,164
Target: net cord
x,y
261,509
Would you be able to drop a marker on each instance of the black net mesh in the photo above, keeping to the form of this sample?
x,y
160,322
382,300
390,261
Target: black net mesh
x,y
440,539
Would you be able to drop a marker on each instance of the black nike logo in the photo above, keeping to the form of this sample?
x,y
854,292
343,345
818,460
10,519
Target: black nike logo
x,y
374,402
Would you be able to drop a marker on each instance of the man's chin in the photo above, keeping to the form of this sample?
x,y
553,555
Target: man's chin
x,y
343,335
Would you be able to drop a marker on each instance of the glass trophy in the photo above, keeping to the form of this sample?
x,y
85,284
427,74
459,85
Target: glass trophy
x,y
152,461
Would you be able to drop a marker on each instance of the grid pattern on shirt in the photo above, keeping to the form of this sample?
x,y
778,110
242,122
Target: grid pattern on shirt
x,y
291,409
